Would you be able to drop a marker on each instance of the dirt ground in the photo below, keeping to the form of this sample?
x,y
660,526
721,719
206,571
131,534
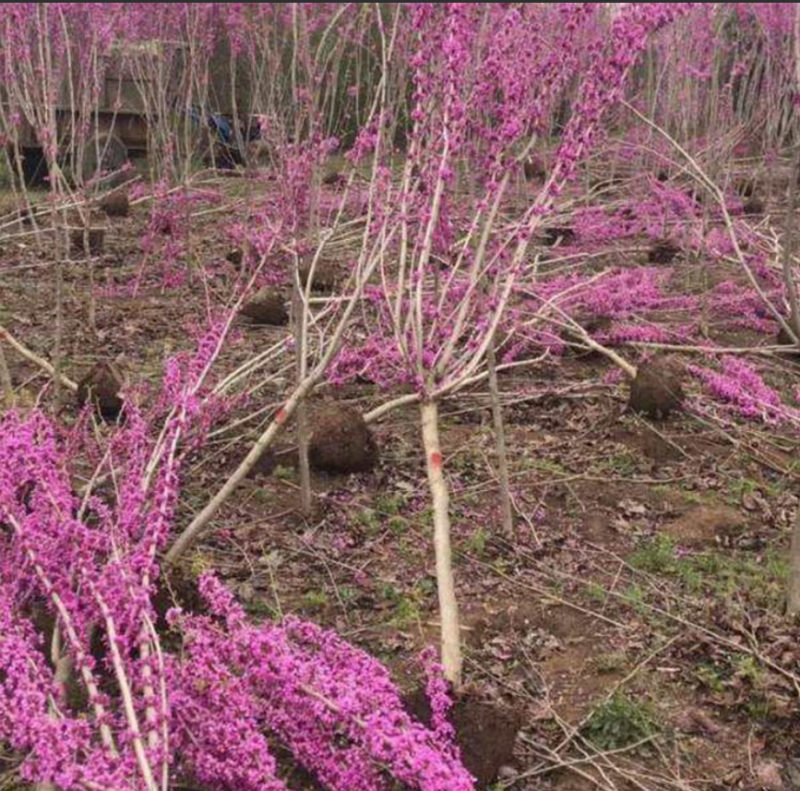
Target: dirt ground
x,y
634,621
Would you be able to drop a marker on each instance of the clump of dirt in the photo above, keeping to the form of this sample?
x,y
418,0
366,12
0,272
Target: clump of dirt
x,y
266,308
326,274
534,169
341,441
102,387
754,207
485,734
663,251
87,242
235,257
657,390
558,235
115,204
705,525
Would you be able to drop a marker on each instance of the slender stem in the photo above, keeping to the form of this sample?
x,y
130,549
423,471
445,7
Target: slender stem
x,y
507,509
5,381
791,232
59,328
193,531
298,320
6,336
127,699
793,602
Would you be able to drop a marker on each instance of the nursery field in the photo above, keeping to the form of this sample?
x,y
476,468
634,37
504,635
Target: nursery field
x,y
434,428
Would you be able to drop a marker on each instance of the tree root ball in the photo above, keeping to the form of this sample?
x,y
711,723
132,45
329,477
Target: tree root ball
x,y
657,390
87,243
341,441
534,169
326,274
115,204
485,734
266,309
235,257
664,251
102,387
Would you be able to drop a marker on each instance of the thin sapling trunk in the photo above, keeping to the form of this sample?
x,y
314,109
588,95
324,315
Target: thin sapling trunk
x,y
448,606
507,510
793,599
5,380
303,433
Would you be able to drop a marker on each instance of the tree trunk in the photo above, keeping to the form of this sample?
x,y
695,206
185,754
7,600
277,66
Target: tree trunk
x,y
5,380
793,599
790,247
500,445
302,408
59,332
448,606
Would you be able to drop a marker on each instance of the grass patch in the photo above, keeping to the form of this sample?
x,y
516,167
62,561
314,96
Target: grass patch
x,y
283,473
315,600
623,464
621,722
761,581
407,606
614,662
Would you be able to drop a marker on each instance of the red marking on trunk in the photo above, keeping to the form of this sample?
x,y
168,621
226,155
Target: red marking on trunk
x,y
436,461
280,416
